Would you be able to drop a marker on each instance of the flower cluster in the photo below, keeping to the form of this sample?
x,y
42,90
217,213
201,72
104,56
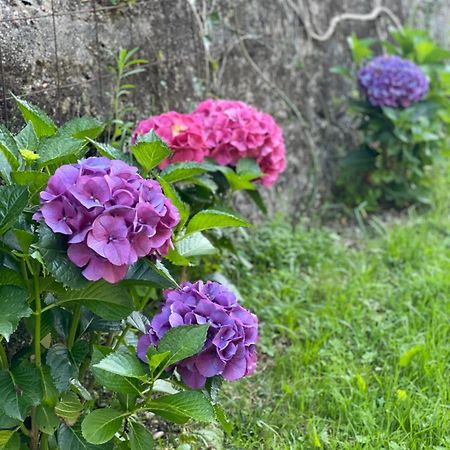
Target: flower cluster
x,y
225,130
235,130
181,132
111,215
392,81
229,349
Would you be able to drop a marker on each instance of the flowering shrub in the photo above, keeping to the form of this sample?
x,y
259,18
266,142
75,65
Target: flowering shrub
x,y
181,132
235,130
229,349
392,81
111,215
403,116
87,243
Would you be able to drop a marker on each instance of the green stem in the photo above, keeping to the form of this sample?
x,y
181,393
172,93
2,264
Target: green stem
x,y
74,326
3,357
37,323
34,435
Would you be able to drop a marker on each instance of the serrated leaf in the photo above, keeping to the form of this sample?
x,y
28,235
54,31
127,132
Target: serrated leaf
x,y
183,341
82,128
150,150
172,195
183,406
13,307
222,419
46,419
8,147
140,437
70,438
69,408
109,301
183,171
196,244
147,272
213,218
122,363
5,437
60,149
62,367
53,248
13,199
248,169
20,389
10,276
42,124
49,391
101,425
33,179
27,138
110,152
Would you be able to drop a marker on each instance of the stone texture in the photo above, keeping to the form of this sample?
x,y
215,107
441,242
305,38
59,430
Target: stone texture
x,y
254,50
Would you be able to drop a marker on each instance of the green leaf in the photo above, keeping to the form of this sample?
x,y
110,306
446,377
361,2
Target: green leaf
x,y
122,363
13,199
53,248
109,301
42,124
147,272
407,357
150,150
257,200
183,406
140,437
33,179
8,147
27,138
101,425
360,48
172,195
195,244
46,419
5,168
20,389
235,181
112,381
10,276
110,152
248,169
70,438
61,366
60,149
222,419
213,218
13,306
69,408
182,342
6,437
183,171
49,391
82,128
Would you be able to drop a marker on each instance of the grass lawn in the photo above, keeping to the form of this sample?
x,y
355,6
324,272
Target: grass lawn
x,y
355,336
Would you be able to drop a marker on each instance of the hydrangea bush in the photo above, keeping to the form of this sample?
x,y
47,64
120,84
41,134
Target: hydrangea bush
x,y
403,110
91,237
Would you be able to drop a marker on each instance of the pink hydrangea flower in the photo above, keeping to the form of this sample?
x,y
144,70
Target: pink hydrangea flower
x,y
110,214
181,132
235,130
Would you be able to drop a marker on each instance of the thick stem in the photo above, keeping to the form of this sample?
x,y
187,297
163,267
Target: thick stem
x,y
34,435
3,357
37,323
74,326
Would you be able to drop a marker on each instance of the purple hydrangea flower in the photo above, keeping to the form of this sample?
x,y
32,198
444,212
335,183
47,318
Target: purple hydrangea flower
x,y
392,81
229,349
111,215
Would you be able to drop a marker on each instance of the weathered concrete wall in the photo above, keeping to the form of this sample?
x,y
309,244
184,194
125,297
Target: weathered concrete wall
x,y
254,50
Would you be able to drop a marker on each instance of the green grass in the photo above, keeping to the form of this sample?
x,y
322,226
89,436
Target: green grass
x,y
355,336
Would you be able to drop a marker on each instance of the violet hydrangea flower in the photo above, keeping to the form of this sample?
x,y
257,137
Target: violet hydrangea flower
x,y
110,214
392,81
229,349
181,132
235,130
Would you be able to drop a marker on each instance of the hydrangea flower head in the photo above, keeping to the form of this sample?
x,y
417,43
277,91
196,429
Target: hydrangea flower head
x,y
181,132
392,81
110,215
229,349
235,130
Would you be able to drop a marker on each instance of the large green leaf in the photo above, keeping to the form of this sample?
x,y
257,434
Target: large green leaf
x,y
42,124
33,179
147,272
109,301
183,406
213,218
13,306
62,366
69,408
183,171
140,437
248,169
101,425
53,248
46,419
13,199
6,436
112,381
27,139
182,342
150,150
70,438
8,147
59,149
20,389
172,195
194,244
124,364
49,391
110,152
12,277
82,128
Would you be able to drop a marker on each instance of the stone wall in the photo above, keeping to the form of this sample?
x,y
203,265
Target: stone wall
x,y
258,51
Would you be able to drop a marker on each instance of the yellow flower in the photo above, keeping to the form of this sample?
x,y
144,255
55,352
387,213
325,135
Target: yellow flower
x,y
28,155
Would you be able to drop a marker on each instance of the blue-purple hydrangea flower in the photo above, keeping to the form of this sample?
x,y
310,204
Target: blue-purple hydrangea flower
x,y
392,81
229,349
110,214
